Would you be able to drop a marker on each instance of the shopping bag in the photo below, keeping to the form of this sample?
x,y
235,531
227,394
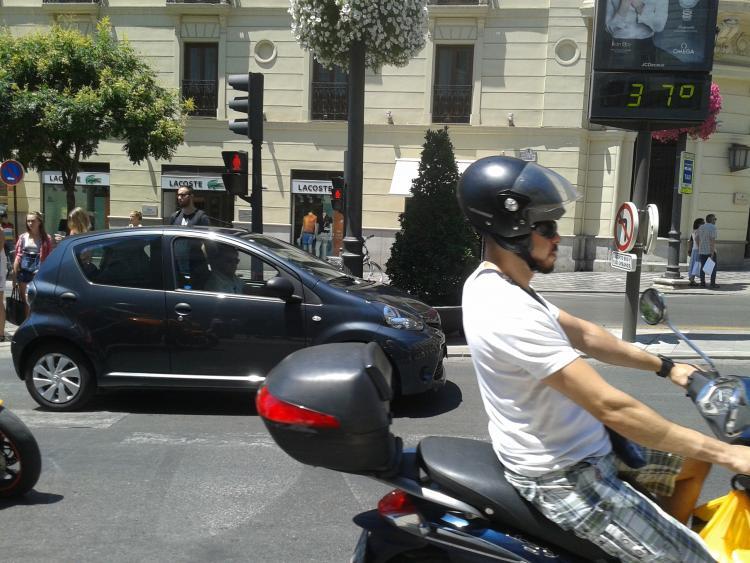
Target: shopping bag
x,y
709,266
15,308
695,268
727,529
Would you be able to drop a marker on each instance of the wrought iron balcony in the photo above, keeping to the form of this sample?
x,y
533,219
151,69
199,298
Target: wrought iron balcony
x,y
456,2
451,104
330,100
204,94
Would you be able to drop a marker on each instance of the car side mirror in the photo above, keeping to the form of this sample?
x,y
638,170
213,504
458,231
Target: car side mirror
x,y
282,288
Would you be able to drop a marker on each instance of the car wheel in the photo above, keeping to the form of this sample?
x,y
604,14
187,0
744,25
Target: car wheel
x,y
59,378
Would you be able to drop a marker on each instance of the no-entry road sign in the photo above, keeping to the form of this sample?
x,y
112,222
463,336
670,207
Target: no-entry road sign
x,y
626,226
11,172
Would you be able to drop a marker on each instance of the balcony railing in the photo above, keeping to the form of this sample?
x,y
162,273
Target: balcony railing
x,y
330,100
204,94
455,2
451,104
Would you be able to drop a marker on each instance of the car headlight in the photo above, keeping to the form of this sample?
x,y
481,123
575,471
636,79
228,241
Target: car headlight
x,y
398,319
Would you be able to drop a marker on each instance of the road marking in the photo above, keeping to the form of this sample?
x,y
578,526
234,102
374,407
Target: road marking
x,y
47,419
152,438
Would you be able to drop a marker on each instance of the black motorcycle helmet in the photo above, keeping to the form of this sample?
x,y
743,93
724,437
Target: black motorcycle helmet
x,y
503,197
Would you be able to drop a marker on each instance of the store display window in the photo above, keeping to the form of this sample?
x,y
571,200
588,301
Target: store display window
x,y
91,193
318,222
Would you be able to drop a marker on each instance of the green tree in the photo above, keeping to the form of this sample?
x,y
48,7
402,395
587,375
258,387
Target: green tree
x,y
62,92
436,248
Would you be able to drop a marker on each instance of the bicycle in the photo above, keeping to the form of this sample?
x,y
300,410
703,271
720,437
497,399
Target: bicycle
x,y
371,270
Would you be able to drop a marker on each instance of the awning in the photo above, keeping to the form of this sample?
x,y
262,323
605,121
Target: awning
x,y
407,169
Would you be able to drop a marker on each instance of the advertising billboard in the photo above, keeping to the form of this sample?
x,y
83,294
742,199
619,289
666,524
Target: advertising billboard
x,y
658,35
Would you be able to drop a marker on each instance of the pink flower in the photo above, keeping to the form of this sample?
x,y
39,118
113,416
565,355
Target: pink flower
x,y
702,131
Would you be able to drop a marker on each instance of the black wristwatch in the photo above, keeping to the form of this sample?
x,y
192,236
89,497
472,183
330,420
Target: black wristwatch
x,y
666,366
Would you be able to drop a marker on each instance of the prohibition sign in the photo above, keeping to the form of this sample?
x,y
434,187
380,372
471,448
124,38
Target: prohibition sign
x,y
11,172
626,226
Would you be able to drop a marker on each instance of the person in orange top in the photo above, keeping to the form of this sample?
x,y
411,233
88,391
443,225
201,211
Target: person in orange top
x,y
307,237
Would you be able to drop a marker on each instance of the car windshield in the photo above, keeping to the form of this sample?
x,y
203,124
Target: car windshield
x,y
300,258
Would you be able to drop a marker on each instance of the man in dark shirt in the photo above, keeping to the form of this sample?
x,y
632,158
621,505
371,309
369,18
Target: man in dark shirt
x,y
188,214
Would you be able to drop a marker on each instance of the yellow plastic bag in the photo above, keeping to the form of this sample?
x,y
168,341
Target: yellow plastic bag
x,y
727,529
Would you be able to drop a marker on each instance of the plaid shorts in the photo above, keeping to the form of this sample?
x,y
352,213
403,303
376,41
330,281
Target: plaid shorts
x,y
590,499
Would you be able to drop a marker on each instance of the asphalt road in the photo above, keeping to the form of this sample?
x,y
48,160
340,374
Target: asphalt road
x,y
193,476
688,312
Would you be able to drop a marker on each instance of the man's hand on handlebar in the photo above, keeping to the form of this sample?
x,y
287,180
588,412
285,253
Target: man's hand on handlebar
x,y
680,373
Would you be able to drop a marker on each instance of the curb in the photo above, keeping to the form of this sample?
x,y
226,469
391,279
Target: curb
x,y
463,352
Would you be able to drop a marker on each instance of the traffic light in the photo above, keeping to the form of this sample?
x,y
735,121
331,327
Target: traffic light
x,y
252,105
235,177
337,193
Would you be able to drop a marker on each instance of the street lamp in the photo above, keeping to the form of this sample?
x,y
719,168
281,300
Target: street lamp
x,y
738,157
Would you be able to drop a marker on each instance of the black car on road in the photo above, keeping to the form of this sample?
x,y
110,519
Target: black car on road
x,y
197,307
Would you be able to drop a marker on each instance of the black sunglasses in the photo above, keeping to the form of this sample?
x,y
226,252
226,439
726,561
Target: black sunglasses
x,y
548,229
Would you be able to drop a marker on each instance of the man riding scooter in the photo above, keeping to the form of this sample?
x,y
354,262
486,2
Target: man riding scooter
x,y
549,410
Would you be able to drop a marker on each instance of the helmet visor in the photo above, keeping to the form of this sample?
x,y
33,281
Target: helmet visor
x,y
548,191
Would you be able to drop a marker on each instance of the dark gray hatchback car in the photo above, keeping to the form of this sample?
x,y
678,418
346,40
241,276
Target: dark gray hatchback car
x,y
186,307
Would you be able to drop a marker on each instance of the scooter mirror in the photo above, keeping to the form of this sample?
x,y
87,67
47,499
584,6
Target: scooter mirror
x,y
652,306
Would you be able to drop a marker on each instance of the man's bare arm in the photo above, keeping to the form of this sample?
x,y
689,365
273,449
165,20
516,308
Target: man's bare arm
x,y
581,383
602,345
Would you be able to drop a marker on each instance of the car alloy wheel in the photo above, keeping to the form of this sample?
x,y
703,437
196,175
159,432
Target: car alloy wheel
x,y
58,378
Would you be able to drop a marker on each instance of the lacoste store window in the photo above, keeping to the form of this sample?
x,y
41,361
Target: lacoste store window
x,y
209,195
91,193
317,226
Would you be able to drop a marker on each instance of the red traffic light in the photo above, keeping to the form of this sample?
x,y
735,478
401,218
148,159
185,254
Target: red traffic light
x,y
235,162
338,194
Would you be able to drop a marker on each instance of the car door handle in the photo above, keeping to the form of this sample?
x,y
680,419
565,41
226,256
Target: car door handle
x,y
182,310
68,296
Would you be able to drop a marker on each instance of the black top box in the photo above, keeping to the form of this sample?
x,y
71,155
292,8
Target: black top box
x,y
329,406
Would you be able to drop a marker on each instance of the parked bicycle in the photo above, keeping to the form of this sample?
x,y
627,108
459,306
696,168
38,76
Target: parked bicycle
x,y
371,270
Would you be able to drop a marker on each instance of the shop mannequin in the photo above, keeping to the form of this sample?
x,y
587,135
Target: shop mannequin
x,y
307,237
324,235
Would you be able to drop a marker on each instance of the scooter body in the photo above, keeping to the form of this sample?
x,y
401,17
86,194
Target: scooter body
x,y
329,406
20,460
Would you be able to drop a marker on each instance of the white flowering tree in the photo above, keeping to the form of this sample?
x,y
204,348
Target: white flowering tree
x,y
392,32
355,34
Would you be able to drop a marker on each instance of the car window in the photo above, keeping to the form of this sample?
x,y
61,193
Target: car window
x,y
297,256
208,265
132,261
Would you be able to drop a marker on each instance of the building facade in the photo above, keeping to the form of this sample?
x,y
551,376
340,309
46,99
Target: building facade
x,y
508,77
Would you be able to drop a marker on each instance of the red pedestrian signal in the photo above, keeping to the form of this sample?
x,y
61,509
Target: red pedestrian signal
x,y
338,195
235,175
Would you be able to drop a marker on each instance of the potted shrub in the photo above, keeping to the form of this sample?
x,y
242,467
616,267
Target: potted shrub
x,y
436,248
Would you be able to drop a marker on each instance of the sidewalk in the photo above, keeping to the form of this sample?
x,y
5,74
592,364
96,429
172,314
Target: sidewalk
x,y
719,345
727,344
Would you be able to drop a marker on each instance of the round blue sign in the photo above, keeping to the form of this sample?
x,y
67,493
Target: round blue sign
x,y
11,172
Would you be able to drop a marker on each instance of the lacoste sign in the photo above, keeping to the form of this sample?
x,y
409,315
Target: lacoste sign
x,y
82,179
202,183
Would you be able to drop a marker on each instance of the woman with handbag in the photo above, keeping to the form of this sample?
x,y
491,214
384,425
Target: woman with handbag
x,y
32,249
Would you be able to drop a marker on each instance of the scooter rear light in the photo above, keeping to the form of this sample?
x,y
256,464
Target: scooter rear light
x,y
396,503
276,410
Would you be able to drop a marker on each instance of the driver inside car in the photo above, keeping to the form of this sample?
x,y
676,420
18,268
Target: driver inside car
x,y
553,419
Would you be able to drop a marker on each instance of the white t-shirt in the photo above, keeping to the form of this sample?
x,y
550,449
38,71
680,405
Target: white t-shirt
x,y
515,343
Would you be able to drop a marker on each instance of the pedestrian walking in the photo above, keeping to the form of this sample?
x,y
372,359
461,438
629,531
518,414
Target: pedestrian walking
x,y
707,235
188,214
32,248
694,267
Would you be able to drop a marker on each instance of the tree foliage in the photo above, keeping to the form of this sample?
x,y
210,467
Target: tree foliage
x,y
62,93
436,248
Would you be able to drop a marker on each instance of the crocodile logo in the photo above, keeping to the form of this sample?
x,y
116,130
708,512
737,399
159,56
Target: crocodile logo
x,y
215,185
92,179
